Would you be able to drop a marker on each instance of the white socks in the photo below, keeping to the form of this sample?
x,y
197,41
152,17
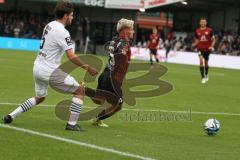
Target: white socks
x,y
75,110
24,107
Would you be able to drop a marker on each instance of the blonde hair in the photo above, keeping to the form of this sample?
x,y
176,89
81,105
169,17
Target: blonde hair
x,y
124,23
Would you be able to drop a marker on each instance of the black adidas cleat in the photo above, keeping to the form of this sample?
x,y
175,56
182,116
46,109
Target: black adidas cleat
x,y
7,119
76,127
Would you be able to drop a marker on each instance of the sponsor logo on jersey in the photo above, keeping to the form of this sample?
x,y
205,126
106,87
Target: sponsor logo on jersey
x,y
69,41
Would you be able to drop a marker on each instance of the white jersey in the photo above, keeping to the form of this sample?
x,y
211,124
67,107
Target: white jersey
x,y
55,41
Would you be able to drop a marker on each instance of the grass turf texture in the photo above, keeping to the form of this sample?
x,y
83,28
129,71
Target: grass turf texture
x,y
167,140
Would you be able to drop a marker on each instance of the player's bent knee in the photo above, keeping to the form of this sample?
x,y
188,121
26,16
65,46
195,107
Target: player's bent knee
x,y
97,101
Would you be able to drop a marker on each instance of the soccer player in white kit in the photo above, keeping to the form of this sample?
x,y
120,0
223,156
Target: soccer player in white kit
x,y
55,42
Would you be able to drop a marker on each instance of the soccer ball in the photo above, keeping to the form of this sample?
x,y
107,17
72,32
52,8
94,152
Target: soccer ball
x,y
211,126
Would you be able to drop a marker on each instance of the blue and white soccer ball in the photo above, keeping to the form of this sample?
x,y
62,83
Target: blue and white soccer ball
x,y
211,126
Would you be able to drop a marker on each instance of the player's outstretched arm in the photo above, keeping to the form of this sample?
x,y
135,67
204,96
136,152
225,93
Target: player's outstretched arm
x,y
76,60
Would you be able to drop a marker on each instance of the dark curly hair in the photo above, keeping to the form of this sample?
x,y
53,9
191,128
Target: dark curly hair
x,y
63,7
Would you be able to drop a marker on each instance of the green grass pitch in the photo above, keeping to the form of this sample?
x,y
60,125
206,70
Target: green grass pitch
x,y
164,140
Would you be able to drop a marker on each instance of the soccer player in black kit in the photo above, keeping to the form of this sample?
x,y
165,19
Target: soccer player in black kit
x,y
113,75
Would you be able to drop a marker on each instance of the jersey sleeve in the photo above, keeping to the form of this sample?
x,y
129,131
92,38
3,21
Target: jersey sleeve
x,y
65,41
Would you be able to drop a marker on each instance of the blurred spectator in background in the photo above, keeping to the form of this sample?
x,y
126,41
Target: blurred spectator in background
x,y
85,29
24,24
236,46
188,42
16,30
77,34
178,44
168,46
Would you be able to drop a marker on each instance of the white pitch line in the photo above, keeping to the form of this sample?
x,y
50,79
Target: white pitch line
x,y
17,104
93,146
147,110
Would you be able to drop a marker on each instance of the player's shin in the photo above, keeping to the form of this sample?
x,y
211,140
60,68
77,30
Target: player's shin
x,y
108,112
75,110
202,71
151,58
206,70
24,107
151,61
157,60
101,116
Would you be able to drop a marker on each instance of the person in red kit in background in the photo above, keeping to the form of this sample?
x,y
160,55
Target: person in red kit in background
x,y
153,45
205,42
113,75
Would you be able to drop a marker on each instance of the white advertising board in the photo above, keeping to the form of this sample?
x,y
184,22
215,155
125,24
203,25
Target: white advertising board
x,y
190,58
124,4
156,3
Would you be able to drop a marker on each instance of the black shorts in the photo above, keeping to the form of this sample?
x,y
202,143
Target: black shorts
x,y
153,51
205,55
105,83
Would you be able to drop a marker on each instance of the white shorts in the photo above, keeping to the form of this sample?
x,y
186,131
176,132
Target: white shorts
x,y
57,79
